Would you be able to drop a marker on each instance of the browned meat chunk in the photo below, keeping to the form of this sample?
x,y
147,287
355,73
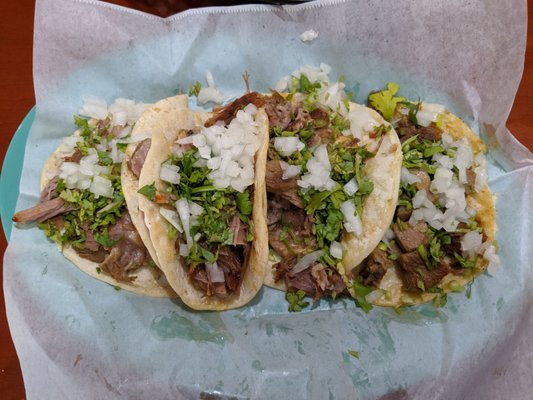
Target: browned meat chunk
x,y
403,213
329,281
136,161
50,190
231,259
278,110
97,256
301,118
228,112
416,275
406,129
471,180
302,281
376,265
201,281
411,237
288,242
42,211
286,188
274,179
238,229
276,206
74,158
125,257
430,132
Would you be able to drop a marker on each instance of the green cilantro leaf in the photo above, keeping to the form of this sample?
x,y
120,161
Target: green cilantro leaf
x,y
104,158
195,89
244,204
353,353
361,291
384,101
296,301
104,239
148,191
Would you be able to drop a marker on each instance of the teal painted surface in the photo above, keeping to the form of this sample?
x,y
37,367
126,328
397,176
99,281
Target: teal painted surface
x,y
11,171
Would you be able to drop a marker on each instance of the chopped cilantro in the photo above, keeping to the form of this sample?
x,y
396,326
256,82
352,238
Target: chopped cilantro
x,y
244,204
148,191
361,291
384,101
296,301
413,110
117,288
104,239
194,90
104,158
353,353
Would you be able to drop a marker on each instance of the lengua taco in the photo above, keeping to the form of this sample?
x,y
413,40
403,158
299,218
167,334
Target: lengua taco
x,y
332,179
442,235
82,206
203,198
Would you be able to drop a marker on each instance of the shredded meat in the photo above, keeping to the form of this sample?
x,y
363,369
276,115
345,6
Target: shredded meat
x,y
278,110
50,190
231,260
297,242
138,157
42,211
376,265
411,236
403,213
228,112
74,158
125,257
415,272
286,188
238,229
276,205
406,129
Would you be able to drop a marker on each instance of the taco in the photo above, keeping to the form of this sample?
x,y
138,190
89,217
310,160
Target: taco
x,y
203,198
332,179
442,235
82,206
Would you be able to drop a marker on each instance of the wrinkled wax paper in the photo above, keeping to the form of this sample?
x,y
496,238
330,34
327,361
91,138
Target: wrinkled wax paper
x,y
77,338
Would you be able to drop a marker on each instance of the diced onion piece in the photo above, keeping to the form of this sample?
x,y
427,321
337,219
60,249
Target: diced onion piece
x,y
169,173
195,209
352,222
101,187
493,259
210,93
306,261
374,295
335,250
94,107
288,145
471,241
351,187
429,113
309,35
182,206
408,177
215,272
289,171
184,250
318,171
172,217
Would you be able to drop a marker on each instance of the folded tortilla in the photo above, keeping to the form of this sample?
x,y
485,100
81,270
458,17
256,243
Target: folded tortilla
x,y
483,204
166,124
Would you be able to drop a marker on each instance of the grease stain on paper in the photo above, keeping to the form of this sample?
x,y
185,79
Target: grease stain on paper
x,y
205,327
258,366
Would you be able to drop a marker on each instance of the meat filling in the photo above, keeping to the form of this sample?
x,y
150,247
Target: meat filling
x,y
139,156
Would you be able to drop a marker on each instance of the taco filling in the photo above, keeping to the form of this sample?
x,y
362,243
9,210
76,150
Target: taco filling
x,y
206,197
443,230
317,182
82,204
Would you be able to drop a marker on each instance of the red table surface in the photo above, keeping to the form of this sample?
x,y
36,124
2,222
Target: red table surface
x,y
17,98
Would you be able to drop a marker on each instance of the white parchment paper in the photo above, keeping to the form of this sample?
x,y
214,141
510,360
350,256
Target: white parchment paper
x,y
77,338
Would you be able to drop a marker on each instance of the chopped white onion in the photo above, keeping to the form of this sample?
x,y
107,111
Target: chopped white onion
x,y
335,249
288,145
215,272
306,261
169,173
182,206
210,93
172,217
318,171
374,295
184,250
309,35
407,177
351,187
352,222
289,171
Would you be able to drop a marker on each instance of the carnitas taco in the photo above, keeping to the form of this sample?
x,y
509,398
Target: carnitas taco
x,y
82,206
203,198
332,179
442,235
